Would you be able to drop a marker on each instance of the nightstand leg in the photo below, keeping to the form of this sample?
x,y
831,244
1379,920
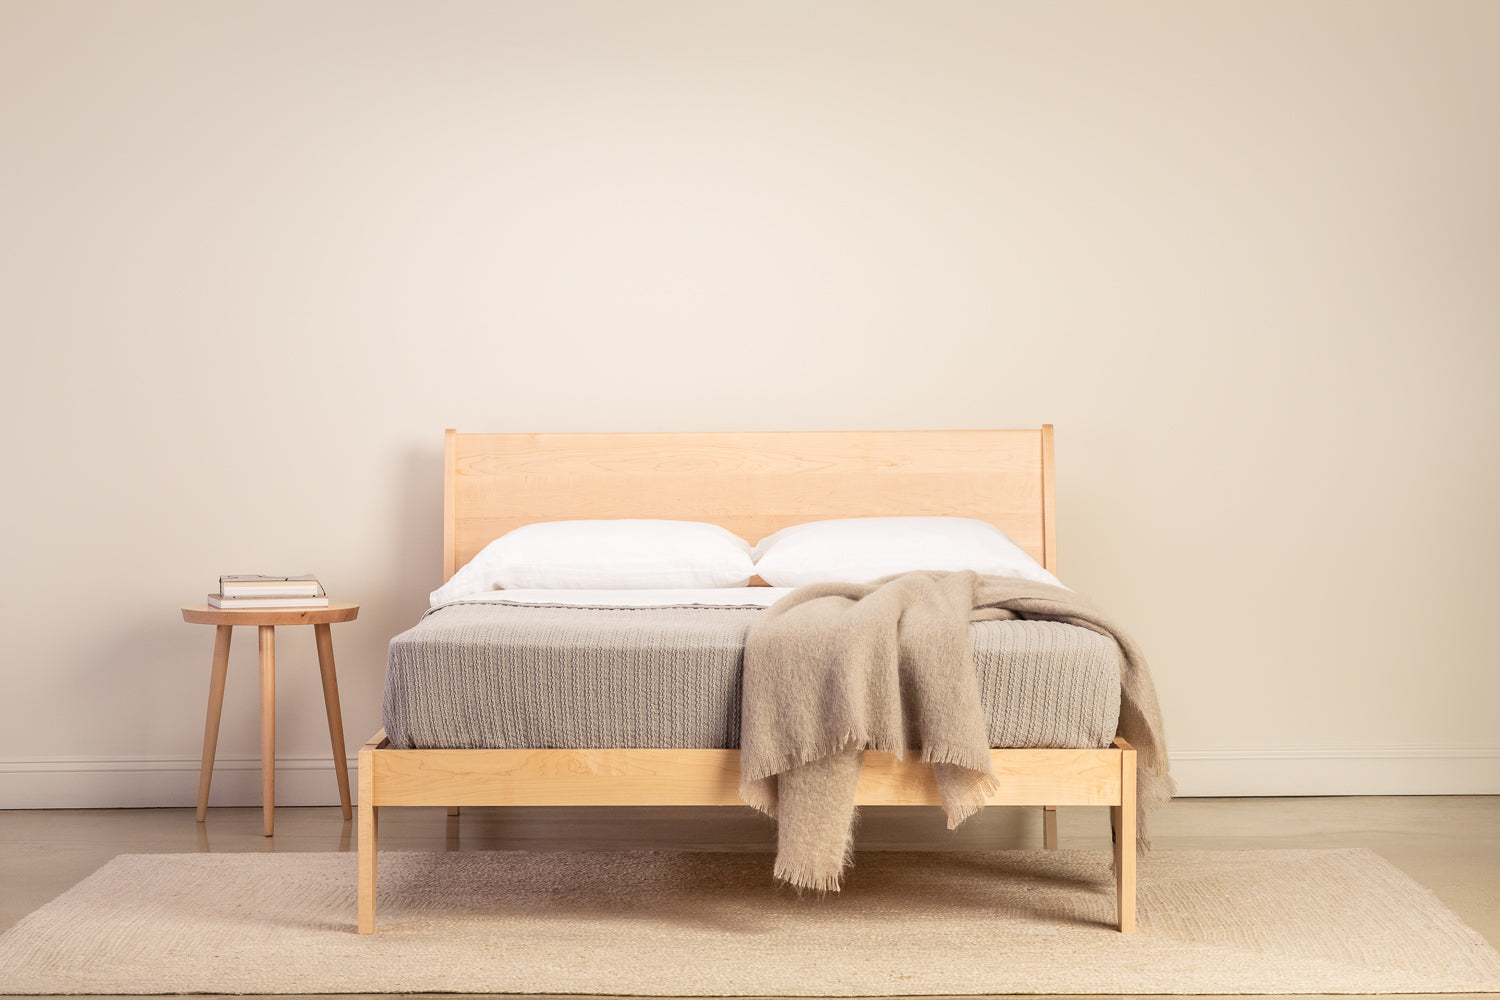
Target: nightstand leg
x,y
215,712
268,723
324,636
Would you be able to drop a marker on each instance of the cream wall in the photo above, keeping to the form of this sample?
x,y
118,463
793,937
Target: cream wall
x,y
256,256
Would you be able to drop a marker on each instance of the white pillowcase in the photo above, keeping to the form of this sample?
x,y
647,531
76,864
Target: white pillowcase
x,y
862,549
618,554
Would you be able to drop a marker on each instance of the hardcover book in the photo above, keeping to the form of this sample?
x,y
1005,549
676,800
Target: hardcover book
x,y
259,585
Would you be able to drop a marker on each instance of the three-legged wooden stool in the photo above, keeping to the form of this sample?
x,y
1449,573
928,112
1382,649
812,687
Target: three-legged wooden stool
x,y
266,621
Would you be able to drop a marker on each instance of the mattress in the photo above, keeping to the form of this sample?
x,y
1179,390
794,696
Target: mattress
x,y
492,675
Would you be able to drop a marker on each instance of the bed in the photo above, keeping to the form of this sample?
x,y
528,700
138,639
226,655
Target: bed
x,y
752,484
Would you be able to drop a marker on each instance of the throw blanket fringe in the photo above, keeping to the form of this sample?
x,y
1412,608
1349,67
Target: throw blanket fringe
x,y
835,669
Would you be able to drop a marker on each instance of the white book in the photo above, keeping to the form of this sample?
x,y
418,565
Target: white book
x,y
262,603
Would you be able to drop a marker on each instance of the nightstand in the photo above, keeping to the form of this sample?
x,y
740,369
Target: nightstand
x,y
266,621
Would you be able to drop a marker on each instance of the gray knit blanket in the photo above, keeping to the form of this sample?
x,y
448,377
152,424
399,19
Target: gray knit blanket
x,y
835,669
474,675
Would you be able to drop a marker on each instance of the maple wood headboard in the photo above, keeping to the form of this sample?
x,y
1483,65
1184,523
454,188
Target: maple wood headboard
x,y
752,483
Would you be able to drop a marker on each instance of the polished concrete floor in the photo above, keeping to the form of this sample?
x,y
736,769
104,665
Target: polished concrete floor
x,y
1450,844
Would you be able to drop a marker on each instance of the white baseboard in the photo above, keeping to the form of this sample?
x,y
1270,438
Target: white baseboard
x,y
1414,770
144,782
139,782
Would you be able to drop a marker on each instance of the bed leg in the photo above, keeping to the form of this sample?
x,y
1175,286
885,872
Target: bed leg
x,y
369,829
1049,827
453,810
1122,822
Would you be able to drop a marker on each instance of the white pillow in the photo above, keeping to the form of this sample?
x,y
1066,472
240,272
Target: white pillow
x,y
862,549
605,555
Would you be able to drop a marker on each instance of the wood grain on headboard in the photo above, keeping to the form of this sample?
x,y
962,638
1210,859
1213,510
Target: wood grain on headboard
x,y
752,483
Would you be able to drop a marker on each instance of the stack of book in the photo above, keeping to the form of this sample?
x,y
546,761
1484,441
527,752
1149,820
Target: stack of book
x,y
250,590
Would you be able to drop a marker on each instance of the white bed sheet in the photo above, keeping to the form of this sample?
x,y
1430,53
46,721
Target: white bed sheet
x,y
713,597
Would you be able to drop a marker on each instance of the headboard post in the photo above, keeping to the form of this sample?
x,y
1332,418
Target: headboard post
x,y
1049,504
450,503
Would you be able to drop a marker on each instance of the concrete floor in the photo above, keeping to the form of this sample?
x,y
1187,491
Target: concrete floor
x,y
1450,844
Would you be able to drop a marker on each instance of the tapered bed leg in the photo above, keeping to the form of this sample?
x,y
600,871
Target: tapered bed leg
x,y
369,829
1122,819
1049,827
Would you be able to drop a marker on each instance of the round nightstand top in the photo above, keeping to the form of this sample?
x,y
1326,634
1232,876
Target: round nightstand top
x,y
203,614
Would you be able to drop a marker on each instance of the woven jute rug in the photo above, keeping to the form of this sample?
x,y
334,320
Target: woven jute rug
x,y
690,924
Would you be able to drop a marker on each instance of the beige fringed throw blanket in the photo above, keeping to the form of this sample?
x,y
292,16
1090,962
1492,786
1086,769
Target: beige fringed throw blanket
x,y
835,669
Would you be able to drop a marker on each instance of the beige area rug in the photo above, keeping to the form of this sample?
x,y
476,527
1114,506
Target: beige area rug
x,y
680,924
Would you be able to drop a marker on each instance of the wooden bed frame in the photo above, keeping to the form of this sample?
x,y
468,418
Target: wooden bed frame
x,y
752,484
